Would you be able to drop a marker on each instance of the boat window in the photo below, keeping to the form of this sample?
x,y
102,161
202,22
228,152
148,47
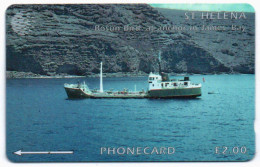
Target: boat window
x,y
162,84
166,84
153,85
186,83
175,84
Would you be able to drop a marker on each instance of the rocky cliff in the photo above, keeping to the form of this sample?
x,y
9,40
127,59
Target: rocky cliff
x,y
234,48
73,39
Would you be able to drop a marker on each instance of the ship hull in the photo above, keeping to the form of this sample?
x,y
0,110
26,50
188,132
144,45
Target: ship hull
x,y
175,93
76,93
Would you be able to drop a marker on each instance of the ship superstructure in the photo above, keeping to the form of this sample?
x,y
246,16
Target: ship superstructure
x,y
160,86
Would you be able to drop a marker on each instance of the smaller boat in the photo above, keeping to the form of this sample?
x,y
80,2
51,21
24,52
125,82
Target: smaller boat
x,y
213,92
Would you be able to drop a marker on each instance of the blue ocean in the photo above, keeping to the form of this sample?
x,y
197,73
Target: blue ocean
x,y
213,127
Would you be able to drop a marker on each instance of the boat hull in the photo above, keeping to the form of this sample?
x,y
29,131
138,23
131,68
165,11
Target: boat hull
x,y
76,93
175,93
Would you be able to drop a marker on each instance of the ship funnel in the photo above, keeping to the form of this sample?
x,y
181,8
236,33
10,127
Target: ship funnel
x,y
101,79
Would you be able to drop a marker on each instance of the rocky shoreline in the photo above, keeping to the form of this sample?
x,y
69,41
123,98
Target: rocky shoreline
x,y
16,74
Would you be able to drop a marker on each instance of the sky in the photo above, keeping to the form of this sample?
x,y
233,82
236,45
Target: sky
x,y
208,7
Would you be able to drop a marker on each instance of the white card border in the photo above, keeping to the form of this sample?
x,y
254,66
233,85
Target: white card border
x,y
5,162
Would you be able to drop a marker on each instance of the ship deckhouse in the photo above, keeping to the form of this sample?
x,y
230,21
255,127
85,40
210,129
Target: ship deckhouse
x,y
162,81
154,81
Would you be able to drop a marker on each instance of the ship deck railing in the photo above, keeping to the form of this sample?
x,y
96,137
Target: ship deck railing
x,y
117,93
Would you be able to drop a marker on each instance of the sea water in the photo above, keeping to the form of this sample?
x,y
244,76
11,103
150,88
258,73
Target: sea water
x,y
39,117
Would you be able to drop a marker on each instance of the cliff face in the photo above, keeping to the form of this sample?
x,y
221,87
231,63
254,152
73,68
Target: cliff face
x,y
73,39
235,49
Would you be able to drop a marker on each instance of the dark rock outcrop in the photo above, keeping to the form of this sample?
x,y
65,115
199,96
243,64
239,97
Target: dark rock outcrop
x,y
73,39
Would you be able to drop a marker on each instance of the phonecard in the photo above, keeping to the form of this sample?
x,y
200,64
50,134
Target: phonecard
x,y
130,82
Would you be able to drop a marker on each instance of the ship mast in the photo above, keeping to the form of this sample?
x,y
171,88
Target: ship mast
x,y
101,79
159,58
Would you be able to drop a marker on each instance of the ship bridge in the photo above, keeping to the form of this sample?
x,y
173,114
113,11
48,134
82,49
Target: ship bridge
x,y
154,81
